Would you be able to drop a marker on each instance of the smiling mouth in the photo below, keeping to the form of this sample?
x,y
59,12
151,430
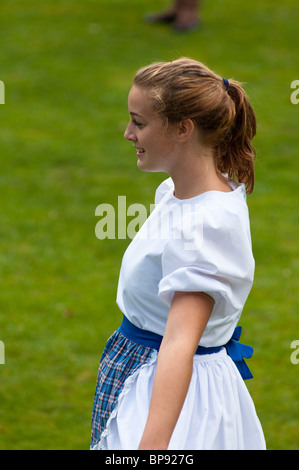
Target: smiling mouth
x,y
140,151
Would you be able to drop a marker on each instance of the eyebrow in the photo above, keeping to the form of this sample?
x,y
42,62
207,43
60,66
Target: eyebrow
x,y
135,114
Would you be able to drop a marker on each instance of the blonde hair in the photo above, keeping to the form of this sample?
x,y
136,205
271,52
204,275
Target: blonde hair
x,y
186,89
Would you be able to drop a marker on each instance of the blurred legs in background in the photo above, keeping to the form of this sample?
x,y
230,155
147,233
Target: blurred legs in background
x,y
182,15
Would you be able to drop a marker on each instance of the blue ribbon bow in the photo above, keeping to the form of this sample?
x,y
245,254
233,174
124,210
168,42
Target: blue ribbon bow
x,y
237,351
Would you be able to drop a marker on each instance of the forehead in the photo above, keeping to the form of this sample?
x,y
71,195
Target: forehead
x,y
139,102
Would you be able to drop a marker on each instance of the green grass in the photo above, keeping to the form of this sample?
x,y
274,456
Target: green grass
x,y
67,68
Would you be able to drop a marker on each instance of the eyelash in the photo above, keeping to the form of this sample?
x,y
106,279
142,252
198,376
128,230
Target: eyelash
x,y
137,124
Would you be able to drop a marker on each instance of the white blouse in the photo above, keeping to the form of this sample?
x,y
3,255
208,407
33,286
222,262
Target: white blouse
x,y
202,244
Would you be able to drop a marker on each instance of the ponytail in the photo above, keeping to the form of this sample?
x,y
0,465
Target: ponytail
x,y
236,155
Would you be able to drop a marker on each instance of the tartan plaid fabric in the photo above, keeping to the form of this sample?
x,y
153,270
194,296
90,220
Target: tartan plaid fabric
x,y
120,359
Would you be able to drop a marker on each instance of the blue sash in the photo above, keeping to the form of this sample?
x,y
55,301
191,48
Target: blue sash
x,y
237,351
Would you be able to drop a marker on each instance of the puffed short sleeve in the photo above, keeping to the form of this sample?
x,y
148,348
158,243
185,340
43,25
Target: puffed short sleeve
x,y
210,252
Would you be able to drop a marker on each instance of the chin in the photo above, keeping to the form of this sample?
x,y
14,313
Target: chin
x,y
143,166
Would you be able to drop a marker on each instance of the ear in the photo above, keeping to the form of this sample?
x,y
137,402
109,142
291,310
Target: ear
x,y
185,130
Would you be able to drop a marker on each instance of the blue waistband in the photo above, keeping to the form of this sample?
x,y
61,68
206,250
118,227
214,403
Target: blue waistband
x,y
153,340
237,351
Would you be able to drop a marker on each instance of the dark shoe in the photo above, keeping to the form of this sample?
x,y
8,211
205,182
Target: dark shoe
x,y
185,27
163,17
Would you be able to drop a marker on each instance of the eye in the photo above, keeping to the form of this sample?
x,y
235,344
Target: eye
x,y
137,123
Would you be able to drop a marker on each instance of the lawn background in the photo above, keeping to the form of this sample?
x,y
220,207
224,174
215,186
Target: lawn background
x,y
67,68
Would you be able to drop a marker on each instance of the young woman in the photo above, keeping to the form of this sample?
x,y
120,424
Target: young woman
x,y
171,377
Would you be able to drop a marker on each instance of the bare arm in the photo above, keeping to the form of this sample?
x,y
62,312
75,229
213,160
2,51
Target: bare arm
x,y
188,316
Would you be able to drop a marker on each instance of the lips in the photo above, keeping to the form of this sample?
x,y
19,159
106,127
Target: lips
x,y
140,151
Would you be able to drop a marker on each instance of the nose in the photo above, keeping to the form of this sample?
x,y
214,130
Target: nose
x,y
129,135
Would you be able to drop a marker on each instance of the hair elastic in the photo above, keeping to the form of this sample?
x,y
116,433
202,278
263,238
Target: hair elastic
x,y
226,83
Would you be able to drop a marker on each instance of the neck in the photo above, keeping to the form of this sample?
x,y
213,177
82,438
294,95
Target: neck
x,y
195,174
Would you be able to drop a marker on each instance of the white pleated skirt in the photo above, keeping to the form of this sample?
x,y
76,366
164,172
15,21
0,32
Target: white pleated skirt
x,y
218,412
